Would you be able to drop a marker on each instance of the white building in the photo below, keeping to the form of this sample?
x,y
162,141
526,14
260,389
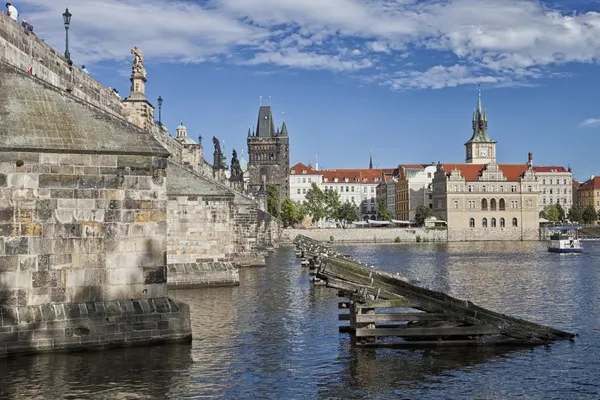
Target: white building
x,y
301,179
556,186
356,186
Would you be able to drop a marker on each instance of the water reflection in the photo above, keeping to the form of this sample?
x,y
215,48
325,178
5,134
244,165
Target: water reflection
x,y
130,373
276,337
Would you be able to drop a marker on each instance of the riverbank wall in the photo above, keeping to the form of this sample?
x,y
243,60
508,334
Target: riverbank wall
x,y
368,235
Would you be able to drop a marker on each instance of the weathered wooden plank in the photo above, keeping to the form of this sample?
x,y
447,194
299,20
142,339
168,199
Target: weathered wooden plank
x,y
480,341
367,318
397,303
428,299
407,332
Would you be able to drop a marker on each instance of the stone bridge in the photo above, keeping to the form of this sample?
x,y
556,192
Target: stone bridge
x,y
101,210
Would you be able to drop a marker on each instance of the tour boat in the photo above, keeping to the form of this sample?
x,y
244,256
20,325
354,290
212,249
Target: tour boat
x,y
565,239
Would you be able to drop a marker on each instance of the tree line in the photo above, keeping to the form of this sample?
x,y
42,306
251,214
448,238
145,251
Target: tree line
x,y
555,213
319,205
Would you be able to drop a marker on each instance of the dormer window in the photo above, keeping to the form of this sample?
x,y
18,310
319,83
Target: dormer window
x,y
325,180
345,179
335,180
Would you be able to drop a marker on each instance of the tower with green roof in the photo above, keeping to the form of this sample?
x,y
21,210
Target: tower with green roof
x,y
481,149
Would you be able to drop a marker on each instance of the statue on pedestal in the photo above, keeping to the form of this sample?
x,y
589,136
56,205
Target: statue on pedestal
x,y
138,62
236,170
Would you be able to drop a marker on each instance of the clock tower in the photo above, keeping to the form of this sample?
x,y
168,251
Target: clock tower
x,y
480,148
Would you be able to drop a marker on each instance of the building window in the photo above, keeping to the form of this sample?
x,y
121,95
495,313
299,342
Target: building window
x,y
501,205
544,200
304,191
513,188
529,188
493,204
550,190
502,223
515,223
513,204
365,189
372,189
470,188
455,204
493,222
543,181
298,191
502,188
484,222
429,174
483,188
303,180
472,222
484,204
565,200
471,203
352,189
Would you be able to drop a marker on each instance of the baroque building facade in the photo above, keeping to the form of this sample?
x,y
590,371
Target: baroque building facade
x,y
268,155
483,200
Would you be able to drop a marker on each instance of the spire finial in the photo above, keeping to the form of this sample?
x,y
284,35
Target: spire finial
x,y
260,100
370,159
269,101
283,115
479,97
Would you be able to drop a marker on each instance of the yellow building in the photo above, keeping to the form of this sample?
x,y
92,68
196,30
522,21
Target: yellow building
x,y
588,193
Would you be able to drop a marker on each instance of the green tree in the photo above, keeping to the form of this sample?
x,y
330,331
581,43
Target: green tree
x,y
561,212
551,212
589,214
315,203
302,212
289,212
575,213
383,214
421,214
273,204
347,213
332,204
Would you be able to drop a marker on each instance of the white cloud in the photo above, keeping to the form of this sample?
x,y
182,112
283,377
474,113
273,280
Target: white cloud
x,y
590,123
488,40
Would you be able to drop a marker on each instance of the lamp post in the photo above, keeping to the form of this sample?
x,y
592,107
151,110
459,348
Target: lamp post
x,y
67,20
160,101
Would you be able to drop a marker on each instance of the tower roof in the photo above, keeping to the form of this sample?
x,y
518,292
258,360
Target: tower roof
x,y
265,126
284,131
480,124
181,126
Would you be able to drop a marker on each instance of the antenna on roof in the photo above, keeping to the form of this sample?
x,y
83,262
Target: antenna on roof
x,y
260,100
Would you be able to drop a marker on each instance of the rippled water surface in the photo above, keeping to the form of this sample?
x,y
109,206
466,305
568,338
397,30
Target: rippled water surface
x,y
276,337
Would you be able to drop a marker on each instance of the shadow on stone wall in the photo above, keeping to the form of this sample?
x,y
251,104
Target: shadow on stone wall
x,y
136,372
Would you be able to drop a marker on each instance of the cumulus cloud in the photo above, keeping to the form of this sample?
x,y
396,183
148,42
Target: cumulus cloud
x,y
590,123
454,41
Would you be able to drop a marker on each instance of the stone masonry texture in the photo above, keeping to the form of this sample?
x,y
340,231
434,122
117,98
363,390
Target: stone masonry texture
x,y
83,209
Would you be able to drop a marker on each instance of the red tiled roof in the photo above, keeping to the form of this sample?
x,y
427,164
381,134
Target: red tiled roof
x,y
593,183
355,175
471,172
576,183
301,169
549,169
413,166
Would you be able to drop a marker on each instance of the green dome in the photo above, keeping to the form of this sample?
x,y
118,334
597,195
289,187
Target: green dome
x,y
181,126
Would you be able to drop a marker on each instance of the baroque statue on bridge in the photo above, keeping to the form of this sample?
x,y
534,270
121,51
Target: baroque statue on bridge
x,y
138,62
236,170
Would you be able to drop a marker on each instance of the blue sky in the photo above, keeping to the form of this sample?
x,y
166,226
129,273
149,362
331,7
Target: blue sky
x,y
395,77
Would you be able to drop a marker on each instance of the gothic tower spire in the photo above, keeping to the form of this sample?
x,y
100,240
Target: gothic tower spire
x,y
370,160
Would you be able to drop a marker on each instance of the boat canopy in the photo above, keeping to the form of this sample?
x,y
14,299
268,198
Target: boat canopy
x,y
565,228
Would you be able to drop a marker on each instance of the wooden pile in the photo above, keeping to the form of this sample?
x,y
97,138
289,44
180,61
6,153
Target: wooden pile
x,y
387,310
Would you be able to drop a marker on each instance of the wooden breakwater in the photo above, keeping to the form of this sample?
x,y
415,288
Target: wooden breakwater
x,y
386,310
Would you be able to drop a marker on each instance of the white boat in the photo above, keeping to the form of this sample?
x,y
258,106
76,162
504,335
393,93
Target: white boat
x,y
565,239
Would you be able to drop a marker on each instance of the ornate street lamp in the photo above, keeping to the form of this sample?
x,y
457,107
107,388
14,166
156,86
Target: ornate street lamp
x,y
67,20
160,101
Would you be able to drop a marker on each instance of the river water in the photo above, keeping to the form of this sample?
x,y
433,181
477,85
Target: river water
x,y
276,337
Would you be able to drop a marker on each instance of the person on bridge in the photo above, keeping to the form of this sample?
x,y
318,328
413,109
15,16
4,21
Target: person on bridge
x,y
12,11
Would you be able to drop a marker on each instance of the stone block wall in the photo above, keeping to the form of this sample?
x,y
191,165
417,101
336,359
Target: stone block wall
x,y
200,229
81,227
368,235
25,50
487,234
49,327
